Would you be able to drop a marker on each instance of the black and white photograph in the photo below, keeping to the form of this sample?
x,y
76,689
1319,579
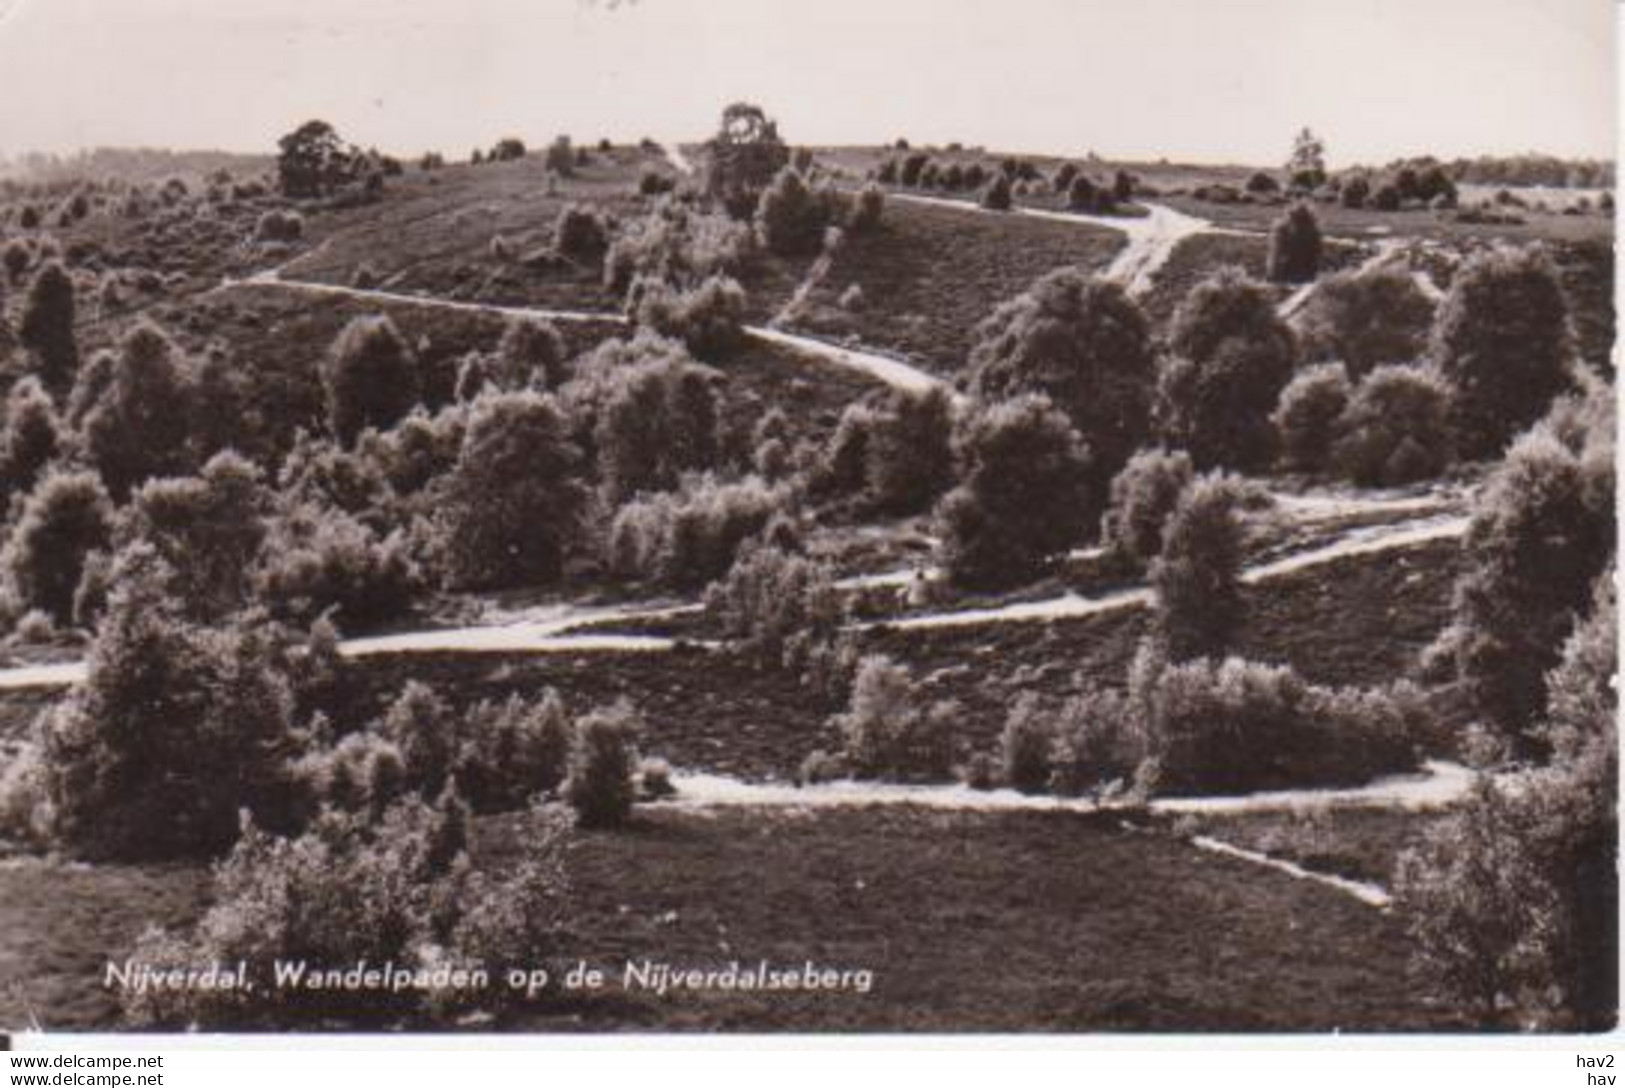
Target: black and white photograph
x,y
808,517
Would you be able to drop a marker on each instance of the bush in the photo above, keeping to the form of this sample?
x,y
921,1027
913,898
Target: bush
x,y
676,244
792,216
1542,530
908,452
208,528
602,759
1294,255
31,438
1197,575
1085,344
1098,745
1503,339
709,319
688,538
279,226
997,196
1143,498
507,149
1396,428
1231,357
561,158
580,232
654,421
867,210
913,166
1236,727
421,727
395,890
46,328
1386,198
654,183
1024,493
321,560
1261,182
370,378
65,518
1366,320
1308,416
889,732
776,606
136,426
175,729
1025,745
1355,192
513,751
513,501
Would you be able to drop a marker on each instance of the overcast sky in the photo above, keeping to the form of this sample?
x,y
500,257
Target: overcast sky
x,y
1197,80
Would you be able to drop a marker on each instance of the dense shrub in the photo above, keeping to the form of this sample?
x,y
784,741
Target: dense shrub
x,y
370,378
1197,574
708,318
580,232
1396,429
421,727
1503,339
64,519
1366,319
777,606
319,560
792,215
654,183
677,244
513,751
507,149
135,428
1143,497
46,327
1025,745
393,890
1024,493
31,438
1231,357
1542,530
174,731
1308,416
208,528
689,538
653,421
1082,342
889,731
1294,255
908,452
997,196
1355,192
1233,726
277,225
603,756
867,210
513,500
561,158
913,166
1260,182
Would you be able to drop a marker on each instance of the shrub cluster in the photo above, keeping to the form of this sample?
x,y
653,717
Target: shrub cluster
x,y
891,731
688,538
1143,497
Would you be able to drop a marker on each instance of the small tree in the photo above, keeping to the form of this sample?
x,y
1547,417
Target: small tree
x,y
514,498
908,452
746,154
1295,246
313,161
890,731
208,529
561,157
1503,339
370,378
1307,164
791,216
997,196
1197,575
1024,493
46,329
66,518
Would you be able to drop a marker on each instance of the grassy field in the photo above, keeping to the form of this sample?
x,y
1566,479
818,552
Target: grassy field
x,y
968,922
